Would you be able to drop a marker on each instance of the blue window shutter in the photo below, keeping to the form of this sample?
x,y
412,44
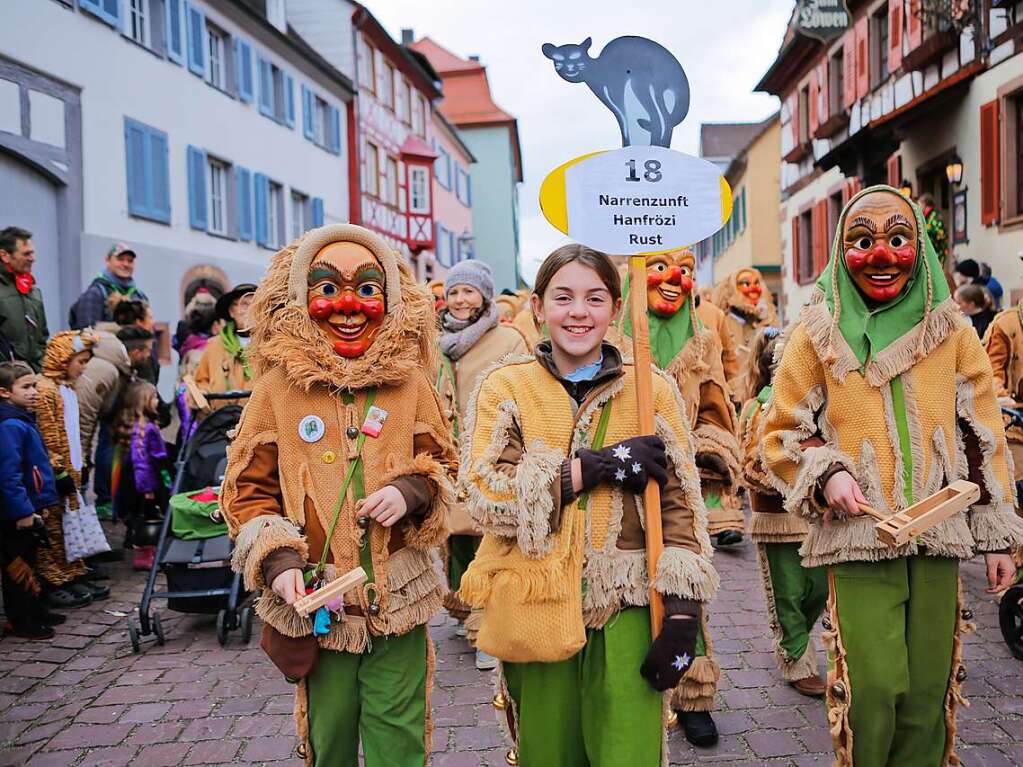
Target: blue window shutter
x,y
196,188
307,114
458,181
468,189
174,34
243,180
107,10
289,100
243,68
159,176
135,161
335,131
266,96
197,41
262,193
317,211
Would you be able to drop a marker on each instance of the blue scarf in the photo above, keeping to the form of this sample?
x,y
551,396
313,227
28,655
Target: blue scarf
x,y
586,372
126,287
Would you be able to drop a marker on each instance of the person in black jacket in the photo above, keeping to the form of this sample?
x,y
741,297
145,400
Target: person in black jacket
x,y
116,281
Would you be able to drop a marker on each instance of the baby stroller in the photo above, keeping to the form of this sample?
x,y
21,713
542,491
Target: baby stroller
x,y
193,550
1010,608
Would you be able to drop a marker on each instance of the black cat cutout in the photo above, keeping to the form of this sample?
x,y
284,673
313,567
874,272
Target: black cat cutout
x,y
641,82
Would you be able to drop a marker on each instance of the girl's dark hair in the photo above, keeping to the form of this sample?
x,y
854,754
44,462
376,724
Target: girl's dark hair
x,y
594,259
129,312
11,372
760,366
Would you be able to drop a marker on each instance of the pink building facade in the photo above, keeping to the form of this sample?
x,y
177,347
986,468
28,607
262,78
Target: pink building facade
x,y
452,197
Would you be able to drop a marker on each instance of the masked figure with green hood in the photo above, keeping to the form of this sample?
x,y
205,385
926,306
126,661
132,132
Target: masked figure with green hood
x,y
884,396
691,355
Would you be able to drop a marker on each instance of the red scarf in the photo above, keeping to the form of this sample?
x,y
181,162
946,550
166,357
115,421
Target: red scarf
x,y
23,283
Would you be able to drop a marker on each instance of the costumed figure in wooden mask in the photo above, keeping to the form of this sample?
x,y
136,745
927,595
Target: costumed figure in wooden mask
x,y
748,306
342,459
882,397
691,355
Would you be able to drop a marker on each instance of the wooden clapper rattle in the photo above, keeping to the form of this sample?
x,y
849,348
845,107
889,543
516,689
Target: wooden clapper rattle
x,y
310,603
899,529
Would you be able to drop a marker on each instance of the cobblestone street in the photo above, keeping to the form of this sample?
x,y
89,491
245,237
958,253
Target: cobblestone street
x,y
86,699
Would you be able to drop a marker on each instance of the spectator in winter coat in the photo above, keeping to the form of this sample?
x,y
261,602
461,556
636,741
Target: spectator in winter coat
x,y
26,488
115,283
21,303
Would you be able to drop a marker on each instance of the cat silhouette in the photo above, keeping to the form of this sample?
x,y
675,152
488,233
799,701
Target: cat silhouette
x,y
641,82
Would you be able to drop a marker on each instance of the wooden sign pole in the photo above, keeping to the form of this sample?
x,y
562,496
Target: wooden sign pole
x,y
645,404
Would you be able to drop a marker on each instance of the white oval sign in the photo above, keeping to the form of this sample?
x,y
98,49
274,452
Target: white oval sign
x,y
638,199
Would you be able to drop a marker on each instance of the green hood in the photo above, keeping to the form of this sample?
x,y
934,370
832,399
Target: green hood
x,y
668,335
869,332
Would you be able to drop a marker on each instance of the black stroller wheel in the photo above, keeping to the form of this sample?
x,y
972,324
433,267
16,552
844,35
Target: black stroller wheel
x,y
133,637
246,624
158,629
223,626
1010,620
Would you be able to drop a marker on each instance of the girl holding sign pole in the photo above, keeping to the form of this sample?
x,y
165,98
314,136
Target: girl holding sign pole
x,y
552,468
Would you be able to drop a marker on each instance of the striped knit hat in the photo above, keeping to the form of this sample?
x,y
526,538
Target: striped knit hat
x,y
61,348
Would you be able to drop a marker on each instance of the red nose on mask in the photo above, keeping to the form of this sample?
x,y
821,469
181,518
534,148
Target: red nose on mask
x,y
675,275
881,255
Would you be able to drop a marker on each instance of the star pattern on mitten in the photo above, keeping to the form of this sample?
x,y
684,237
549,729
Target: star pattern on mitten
x,y
682,661
620,475
636,468
622,453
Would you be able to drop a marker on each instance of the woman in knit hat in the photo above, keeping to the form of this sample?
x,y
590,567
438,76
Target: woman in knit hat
x,y
342,460
471,341
58,419
883,396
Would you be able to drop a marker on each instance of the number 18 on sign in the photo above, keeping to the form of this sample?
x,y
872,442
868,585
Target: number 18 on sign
x,y
639,199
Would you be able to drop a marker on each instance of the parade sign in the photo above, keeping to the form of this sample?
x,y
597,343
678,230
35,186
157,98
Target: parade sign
x,y
822,19
639,199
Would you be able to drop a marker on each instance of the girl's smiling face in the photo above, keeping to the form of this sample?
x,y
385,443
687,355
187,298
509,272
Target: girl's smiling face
x,y
577,308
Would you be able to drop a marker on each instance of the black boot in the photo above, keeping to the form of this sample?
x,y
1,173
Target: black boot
x,y
729,538
699,728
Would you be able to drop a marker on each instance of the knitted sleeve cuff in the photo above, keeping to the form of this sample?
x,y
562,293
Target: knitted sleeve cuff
x,y
716,441
256,539
815,463
686,574
428,527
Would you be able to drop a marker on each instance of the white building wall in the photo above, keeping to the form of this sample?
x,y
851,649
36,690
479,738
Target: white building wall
x,y
327,26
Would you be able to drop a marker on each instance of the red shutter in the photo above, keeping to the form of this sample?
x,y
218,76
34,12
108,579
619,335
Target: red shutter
x,y
819,219
989,159
894,34
815,93
850,188
794,119
796,276
849,69
914,25
822,78
862,30
894,167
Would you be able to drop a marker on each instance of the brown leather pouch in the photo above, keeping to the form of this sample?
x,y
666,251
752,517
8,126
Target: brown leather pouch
x,y
295,657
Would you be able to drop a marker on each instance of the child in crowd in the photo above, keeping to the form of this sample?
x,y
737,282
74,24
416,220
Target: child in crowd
x,y
149,463
26,488
56,409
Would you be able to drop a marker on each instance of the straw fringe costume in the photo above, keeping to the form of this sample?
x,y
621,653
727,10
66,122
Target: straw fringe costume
x,y
796,596
52,563
904,402
374,669
712,317
564,589
743,321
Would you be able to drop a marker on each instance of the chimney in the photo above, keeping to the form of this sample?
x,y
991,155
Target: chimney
x,y
474,57
407,36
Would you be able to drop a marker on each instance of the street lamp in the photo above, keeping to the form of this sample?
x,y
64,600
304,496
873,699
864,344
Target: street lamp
x,y
907,189
954,170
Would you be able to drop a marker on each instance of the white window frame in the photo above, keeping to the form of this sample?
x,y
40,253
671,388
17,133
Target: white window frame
x,y
217,196
321,117
137,21
299,212
418,190
390,190
217,48
274,205
371,170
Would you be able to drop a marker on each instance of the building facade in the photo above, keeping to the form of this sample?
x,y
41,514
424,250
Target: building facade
x,y
452,194
491,134
180,129
914,95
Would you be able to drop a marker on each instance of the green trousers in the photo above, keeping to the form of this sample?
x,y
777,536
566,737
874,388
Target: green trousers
x,y
461,552
594,709
897,622
378,696
796,597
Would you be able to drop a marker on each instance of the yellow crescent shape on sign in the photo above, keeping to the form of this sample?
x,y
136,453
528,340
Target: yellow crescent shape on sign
x,y
553,200
726,201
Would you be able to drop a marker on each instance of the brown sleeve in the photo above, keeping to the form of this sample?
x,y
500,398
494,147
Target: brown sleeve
x,y
259,487
202,370
729,359
417,491
561,488
279,561
715,408
975,462
999,350
677,519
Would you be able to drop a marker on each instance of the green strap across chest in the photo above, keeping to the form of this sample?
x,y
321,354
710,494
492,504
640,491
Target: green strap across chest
x,y
902,429
353,475
597,444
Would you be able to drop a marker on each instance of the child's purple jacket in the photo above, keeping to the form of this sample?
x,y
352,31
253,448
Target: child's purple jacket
x,y
148,451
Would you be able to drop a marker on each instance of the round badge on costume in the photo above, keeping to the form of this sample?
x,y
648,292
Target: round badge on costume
x,y
311,428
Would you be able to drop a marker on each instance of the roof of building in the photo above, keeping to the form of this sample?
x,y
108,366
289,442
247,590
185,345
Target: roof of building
x,y
257,9
468,102
738,162
727,139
